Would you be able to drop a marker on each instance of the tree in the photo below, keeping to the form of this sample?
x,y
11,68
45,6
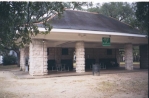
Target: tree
x,y
122,11
9,60
18,21
77,5
142,14
118,10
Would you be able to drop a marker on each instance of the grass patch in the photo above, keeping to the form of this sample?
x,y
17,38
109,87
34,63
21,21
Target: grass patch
x,y
131,86
133,62
106,86
136,86
7,66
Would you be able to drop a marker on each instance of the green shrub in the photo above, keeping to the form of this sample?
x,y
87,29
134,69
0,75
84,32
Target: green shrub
x,y
9,60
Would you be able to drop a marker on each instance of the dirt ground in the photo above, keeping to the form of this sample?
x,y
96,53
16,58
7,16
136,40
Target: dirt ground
x,y
119,85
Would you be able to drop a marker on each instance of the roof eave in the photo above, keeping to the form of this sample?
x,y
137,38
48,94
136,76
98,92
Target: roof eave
x,y
93,32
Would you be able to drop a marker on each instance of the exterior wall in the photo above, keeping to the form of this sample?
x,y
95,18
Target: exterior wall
x,y
56,53
92,53
117,56
24,52
144,56
38,58
128,57
98,53
80,57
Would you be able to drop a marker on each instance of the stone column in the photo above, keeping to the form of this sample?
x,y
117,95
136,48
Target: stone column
x,y
143,56
22,59
80,57
24,52
38,57
128,57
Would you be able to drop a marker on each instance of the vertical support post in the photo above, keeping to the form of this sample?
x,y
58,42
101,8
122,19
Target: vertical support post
x,y
128,57
38,57
24,52
80,57
22,59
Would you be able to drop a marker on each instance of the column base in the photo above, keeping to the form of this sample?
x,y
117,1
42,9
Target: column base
x,y
129,68
80,69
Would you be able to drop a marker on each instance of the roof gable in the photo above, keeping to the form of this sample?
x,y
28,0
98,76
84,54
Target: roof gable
x,y
90,21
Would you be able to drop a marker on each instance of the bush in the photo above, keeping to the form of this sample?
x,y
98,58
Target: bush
x,y
9,60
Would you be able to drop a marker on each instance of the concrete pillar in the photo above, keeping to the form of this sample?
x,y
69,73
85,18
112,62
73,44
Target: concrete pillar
x,y
22,59
38,57
143,56
128,57
24,52
80,57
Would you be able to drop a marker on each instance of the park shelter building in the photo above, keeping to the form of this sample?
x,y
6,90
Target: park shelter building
x,y
81,33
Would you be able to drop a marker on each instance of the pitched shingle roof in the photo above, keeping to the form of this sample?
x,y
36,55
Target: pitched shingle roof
x,y
90,21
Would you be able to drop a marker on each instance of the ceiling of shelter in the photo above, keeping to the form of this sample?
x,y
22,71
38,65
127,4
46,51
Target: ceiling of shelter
x,y
87,44
62,39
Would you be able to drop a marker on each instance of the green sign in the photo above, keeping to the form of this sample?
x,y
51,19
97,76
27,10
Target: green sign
x,y
106,41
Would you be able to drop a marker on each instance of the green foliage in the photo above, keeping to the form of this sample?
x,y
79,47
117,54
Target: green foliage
x,y
142,14
19,21
9,60
119,10
94,9
77,5
125,12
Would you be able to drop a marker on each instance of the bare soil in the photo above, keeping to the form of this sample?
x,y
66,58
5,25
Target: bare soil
x,y
119,85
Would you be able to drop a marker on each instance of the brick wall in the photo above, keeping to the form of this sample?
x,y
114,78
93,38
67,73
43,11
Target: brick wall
x,y
38,58
80,57
128,57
